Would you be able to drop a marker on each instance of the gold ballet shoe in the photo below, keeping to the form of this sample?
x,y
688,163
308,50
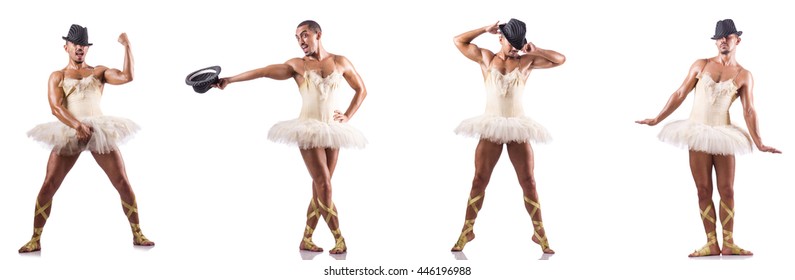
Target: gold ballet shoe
x,y
33,245
538,226
308,245
468,226
138,236
339,246
462,239
712,239
706,250
728,236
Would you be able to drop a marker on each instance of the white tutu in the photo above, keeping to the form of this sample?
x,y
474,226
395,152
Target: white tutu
x,y
499,129
310,133
108,132
718,140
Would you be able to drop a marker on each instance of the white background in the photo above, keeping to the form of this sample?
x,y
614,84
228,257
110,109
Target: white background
x,y
223,202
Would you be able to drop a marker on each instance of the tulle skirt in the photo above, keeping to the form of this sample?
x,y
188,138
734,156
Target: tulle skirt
x,y
108,132
504,129
310,133
718,140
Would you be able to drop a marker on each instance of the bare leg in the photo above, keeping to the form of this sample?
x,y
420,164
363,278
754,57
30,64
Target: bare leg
x,y
316,161
724,171
701,167
57,168
521,156
313,212
113,165
486,156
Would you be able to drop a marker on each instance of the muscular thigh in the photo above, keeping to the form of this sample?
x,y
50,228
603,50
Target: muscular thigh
x,y
521,155
316,163
486,156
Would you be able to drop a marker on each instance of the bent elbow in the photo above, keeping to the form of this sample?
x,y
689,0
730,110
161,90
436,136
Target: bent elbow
x,y
55,111
562,59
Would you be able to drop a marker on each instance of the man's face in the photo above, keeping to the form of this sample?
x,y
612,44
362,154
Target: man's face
x,y
77,53
507,48
727,44
307,39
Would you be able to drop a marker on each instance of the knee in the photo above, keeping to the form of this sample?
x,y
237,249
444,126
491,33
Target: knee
x,y
121,183
528,183
704,193
48,189
726,191
480,182
322,185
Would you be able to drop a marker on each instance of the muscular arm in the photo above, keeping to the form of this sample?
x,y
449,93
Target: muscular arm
x,y
356,83
55,96
464,44
282,71
746,93
541,58
679,95
116,77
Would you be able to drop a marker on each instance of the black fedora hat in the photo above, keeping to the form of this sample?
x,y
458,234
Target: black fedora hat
x,y
514,31
203,79
78,35
725,28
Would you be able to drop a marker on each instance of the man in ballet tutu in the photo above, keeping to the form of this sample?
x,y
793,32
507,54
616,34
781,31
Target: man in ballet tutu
x,y
504,123
74,95
320,130
709,135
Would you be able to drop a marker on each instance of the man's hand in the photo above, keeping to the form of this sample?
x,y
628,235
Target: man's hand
x,y
222,83
649,122
768,149
123,39
494,28
529,48
340,117
83,133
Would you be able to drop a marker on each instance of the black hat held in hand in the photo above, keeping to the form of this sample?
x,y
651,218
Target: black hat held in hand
x,y
78,35
203,79
514,31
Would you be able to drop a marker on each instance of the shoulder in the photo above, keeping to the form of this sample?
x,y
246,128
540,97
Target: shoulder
x,y
486,52
698,66
99,70
343,61
700,63
56,75
295,63
744,77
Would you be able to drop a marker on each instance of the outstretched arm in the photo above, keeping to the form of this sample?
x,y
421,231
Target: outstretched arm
x,y
356,83
116,77
679,95
540,58
282,71
746,92
55,96
464,44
